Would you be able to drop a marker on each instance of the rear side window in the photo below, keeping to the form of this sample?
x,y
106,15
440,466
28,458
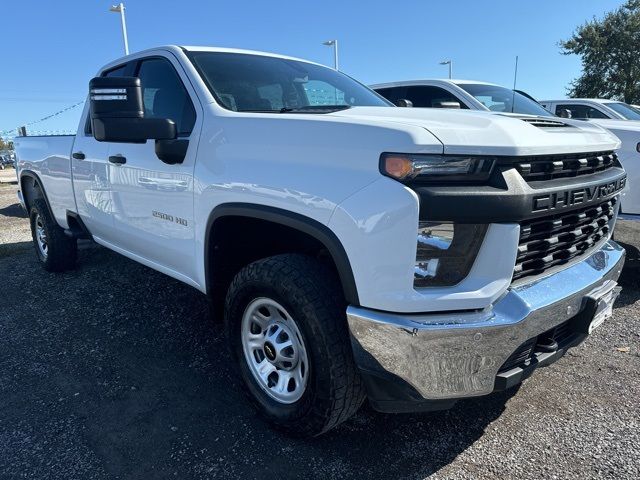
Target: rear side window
x,y
579,111
164,94
432,97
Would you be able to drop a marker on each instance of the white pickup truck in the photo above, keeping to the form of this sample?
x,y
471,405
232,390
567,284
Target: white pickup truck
x,y
413,257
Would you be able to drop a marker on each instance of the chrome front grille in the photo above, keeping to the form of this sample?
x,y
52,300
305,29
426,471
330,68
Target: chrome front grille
x,y
557,239
559,166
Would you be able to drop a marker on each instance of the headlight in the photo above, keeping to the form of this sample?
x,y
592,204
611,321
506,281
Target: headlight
x,y
446,252
447,168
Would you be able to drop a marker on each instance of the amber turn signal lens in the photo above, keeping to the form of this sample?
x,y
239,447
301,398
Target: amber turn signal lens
x,y
398,167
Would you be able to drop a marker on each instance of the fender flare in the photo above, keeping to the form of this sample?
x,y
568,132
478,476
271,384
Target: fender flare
x,y
37,181
302,223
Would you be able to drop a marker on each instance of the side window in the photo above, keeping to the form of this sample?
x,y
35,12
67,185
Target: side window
x,y
581,112
115,72
392,94
432,97
595,113
164,95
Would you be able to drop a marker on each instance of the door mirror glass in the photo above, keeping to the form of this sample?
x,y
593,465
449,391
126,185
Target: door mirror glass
x,y
117,113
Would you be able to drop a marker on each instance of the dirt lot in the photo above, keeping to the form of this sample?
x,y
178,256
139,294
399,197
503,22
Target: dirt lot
x,y
116,371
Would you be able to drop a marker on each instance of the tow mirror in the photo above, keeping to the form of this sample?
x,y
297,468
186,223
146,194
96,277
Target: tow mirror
x,y
403,102
117,113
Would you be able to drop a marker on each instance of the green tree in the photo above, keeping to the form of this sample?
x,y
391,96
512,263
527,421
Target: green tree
x,y
5,144
610,51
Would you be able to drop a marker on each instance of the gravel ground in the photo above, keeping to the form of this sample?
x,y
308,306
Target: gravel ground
x,y
116,371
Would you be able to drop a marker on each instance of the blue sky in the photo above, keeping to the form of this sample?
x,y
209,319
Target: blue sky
x,y
53,48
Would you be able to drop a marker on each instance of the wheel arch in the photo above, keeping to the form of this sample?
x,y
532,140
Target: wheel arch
x,y
286,219
32,187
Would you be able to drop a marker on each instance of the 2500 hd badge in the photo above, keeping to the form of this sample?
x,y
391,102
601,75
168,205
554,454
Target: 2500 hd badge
x,y
568,198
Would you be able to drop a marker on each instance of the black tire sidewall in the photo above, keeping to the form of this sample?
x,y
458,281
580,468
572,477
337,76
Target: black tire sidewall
x,y
61,250
35,211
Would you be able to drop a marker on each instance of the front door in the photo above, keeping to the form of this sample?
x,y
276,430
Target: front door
x,y
152,200
91,181
90,169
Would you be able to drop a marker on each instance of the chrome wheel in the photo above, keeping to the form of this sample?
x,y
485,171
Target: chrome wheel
x,y
41,237
274,350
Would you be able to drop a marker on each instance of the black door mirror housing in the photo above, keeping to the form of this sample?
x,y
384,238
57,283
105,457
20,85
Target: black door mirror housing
x,y
403,102
117,113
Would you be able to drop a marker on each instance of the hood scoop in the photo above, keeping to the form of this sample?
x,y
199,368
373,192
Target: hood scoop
x,y
544,122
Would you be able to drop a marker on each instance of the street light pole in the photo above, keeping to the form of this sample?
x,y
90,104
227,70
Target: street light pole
x,y
450,63
120,9
333,43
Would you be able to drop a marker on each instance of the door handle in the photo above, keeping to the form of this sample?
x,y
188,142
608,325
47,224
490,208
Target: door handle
x,y
117,159
78,155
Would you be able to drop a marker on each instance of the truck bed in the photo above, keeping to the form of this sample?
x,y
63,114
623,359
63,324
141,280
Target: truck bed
x,y
49,159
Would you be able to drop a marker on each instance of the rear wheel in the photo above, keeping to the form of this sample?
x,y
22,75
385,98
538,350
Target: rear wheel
x,y
54,249
287,329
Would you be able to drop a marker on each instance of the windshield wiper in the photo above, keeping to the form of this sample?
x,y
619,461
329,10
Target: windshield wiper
x,y
315,109
305,109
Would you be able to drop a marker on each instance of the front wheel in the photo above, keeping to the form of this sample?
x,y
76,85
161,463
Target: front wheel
x,y
286,323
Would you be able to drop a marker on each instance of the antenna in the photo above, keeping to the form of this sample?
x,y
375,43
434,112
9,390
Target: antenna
x,y
515,80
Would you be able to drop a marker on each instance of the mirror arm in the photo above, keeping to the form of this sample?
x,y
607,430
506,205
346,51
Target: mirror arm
x,y
173,151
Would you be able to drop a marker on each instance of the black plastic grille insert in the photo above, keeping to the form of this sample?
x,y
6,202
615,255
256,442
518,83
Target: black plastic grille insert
x,y
554,240
560,166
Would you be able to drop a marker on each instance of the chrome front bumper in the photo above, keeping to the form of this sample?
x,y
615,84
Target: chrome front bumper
x,y
440,357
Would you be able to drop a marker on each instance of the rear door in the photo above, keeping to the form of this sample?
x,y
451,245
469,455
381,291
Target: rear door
x,y
152,200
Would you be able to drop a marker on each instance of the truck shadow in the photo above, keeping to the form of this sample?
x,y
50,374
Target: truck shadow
x,y
630,276
146,385
8,249
14,210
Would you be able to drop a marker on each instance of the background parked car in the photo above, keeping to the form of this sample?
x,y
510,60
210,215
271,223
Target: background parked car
x,y
6,161
592,108
475,95
463,94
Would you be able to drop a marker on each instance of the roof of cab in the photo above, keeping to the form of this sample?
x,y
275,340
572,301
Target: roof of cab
x,y
191,48
427,81
576,100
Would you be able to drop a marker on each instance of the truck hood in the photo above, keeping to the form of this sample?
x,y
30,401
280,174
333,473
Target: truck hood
x,y
487,133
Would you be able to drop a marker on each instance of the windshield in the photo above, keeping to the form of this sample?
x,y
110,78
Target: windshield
x,y
501,99
625,110
255,83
